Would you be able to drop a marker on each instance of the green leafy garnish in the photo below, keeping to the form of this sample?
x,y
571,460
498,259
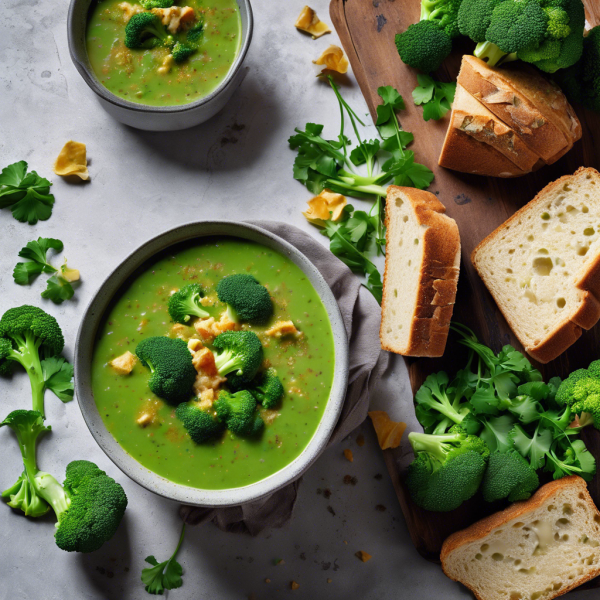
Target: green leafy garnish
x,y
331,164
165,575
436,97
58,377
58,289
27,194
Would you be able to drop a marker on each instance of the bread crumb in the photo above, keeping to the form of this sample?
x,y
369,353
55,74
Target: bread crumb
x,y
348,455
267,580
364,556
279,561
360,440
389,433
294,585
329,580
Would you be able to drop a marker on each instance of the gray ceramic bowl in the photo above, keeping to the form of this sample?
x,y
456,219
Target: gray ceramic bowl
x,y
85,347
154,118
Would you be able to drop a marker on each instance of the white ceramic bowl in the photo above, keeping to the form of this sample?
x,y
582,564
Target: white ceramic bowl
x,y
155,118
84,351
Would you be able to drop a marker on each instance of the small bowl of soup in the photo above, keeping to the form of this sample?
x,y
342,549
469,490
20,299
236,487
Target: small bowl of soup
x,y
160,65
303,341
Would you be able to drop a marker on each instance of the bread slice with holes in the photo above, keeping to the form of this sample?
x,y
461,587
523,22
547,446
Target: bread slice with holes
x,y
533,106
542,266
538,549
478,142
422,264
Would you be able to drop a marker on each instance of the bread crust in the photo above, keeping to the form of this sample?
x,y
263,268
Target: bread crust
x,y
438,277
485,526
588,282
532,105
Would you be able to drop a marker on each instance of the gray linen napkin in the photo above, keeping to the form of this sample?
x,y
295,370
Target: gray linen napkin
x,y
361,315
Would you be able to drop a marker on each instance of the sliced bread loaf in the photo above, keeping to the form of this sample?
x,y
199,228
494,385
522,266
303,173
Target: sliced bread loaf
x,y
478,142
524,100
542,266
422,263
537,549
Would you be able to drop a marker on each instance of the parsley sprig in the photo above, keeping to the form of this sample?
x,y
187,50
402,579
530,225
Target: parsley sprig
x,y
165,575
332,164
27,194
436,97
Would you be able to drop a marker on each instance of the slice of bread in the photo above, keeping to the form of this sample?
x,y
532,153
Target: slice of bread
x,y
422,264
537,549
479,142
527,102
542,266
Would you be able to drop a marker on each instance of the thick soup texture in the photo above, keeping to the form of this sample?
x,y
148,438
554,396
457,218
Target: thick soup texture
x,y
150,76
304,363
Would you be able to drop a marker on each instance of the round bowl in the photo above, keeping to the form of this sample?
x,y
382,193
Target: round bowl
x,y
155,118
84,350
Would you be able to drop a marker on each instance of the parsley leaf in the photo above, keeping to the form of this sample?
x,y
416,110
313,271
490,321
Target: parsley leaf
x,y
165,575
38,263
27,194
58,289
436,97
58,377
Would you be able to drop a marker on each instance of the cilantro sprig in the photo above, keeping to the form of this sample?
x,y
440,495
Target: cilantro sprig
x,y
436,97
332,164
165,575
59,286
27,194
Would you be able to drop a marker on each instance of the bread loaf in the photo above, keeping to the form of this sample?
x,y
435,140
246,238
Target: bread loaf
x,y
421,272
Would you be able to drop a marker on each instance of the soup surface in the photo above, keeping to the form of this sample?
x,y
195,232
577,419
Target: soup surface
x,y
149,76
304,363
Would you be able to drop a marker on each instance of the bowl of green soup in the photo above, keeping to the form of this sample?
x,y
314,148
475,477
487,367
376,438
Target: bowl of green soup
x,y
252,322
160,65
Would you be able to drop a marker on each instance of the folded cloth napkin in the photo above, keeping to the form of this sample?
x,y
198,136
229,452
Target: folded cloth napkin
x,y
361,315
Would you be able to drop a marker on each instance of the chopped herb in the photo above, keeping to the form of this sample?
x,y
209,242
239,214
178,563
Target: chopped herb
x,y
435,97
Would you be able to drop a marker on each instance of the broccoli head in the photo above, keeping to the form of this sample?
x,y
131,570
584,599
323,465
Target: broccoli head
x,y
91,504
239,353
267,389
581,392
246,299
475,16
195,33
173,373
145,30
28,425
200,424
447,470
185,304
29,336
182,51
238,412
508,475
444,13
150,4
423,46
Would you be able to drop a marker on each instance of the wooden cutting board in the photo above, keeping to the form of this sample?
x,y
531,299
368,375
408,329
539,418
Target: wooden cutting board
x,y
478,204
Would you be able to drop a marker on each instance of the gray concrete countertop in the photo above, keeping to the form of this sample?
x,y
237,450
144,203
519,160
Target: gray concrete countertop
x,y
236,166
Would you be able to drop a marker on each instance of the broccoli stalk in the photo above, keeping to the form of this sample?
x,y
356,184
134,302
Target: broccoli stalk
x,y
240,353
88,508
31,337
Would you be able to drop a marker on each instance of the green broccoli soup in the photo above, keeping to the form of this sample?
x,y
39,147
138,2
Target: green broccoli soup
x,y
295,365
161,52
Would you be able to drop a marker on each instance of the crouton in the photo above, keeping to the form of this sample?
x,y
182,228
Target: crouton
x,y
283,328
208,329
176,18
124,364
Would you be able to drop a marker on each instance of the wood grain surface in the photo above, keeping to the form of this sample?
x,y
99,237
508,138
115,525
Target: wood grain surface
x,y
478,204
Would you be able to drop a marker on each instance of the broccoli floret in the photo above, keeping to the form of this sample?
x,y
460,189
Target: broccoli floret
x,y
246,299
508,475
29,336
145,30
150,4
423,46
267,389
200,424
475,16
185,304
239,353
195,33
517,24
91,504
581,82
173,373
238,412
444,13
581,392
28,425
565,390
447,469
182,51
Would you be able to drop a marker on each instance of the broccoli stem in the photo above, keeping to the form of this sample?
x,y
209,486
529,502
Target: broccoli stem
x,y
432,444
29,357
227,362
491,54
